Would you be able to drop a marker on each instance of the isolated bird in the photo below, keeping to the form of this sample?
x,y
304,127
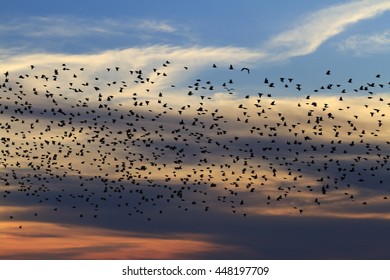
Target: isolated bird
x,y
245,69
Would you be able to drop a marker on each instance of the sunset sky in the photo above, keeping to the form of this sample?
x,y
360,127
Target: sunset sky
x,y
194,129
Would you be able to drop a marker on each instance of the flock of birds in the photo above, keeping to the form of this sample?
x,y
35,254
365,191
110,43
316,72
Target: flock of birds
x,y
70,140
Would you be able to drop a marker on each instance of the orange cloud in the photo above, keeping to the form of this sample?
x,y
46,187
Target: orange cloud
x,y
37,240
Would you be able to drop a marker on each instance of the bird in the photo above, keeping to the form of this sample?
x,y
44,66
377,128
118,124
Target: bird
x,y
124,140
245,69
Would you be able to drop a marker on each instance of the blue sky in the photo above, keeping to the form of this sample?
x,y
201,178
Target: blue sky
x,y
300,39
307,35
247,24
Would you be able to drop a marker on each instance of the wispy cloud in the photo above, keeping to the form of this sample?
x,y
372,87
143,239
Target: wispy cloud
x,y
38,27
74,34
196,57
367,44
155,26
305,36
313,30
64,242
68,26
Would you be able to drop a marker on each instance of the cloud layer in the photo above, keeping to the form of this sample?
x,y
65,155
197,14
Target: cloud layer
x,y
367,44
129,123
320,26
190,146
93,35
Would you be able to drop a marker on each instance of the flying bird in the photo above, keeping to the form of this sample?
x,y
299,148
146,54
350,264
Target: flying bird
x,y
140,142
245,69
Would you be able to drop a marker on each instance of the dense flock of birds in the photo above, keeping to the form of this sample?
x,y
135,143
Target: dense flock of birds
x,y
71,140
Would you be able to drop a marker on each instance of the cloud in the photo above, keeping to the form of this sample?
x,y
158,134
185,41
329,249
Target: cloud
x,y
68,26
367,44
154,26
303,144
304,36
61,175
305,152
73,34
315,29
40,240
59,26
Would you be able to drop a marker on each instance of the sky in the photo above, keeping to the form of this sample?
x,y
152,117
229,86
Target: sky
x,y
171,130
